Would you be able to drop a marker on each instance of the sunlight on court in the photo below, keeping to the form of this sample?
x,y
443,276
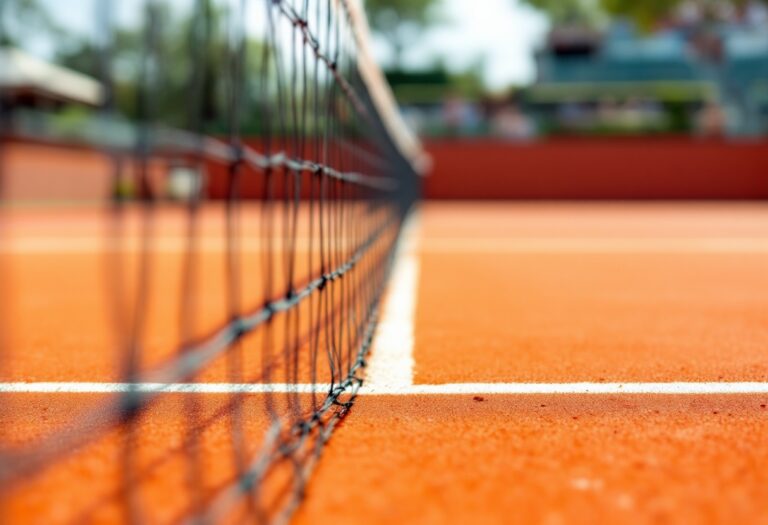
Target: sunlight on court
x,y
383,261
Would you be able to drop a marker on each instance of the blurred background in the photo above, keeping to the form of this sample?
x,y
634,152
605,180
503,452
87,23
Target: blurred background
x,y
526,69
587,99
530,98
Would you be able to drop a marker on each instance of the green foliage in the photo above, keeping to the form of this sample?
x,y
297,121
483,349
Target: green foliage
x,y
436,83
400,21
20,19
386,14
578,12
646,13
469,83
182,57
649,12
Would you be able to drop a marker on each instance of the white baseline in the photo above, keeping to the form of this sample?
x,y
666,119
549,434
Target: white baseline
x,y
390,370
671,388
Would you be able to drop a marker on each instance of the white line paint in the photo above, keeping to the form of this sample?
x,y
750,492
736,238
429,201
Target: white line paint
x,y
390,366
673,388
622,245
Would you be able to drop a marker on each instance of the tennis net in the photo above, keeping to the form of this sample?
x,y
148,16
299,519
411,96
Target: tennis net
x,y
259,176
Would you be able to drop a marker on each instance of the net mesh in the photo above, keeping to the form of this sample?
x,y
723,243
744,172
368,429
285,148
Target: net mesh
x,y
253,141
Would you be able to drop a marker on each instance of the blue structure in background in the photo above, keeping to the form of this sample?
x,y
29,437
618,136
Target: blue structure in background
x,y
681,78
619,55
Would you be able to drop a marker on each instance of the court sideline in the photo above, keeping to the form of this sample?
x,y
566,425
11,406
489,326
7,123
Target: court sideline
x,y
572,363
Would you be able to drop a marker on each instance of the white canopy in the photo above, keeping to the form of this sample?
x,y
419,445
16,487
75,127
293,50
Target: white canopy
x,y
21,71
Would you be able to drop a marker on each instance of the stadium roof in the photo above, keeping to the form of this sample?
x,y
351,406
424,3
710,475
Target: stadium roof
x,y
20,71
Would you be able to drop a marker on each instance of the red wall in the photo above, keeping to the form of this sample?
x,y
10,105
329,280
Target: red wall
x,y
34,171
644,168
647,168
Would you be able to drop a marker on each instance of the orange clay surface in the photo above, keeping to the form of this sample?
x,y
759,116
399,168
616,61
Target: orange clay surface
x,y
61,271
494,304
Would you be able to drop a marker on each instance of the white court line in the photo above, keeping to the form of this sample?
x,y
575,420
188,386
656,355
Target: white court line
x,y
619,245
391,363
672,388
390,370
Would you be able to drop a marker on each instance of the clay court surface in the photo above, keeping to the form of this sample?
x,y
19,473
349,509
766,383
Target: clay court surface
x,y
551,363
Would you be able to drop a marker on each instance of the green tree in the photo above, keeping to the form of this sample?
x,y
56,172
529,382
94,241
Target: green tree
x,y
24,18
646,13
184,50
566,12
399,22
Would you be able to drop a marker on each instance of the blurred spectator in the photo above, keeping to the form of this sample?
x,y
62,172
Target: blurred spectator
x,y
453,112
712,120
756,15
459,116
509,122
689,14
